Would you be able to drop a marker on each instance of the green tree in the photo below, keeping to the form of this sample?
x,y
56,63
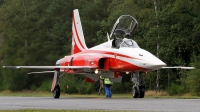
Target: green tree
x,y
34,33
94,17
193,78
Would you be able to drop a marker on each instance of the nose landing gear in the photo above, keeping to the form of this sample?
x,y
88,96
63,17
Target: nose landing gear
x,y
139,85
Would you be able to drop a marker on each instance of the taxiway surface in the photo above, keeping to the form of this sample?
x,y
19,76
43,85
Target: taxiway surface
x,y
145,104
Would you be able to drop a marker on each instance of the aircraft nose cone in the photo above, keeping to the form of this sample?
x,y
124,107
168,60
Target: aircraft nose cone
x,y
156,64
149,61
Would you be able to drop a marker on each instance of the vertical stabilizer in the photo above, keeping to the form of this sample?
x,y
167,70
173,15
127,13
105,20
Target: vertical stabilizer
x,y
78,40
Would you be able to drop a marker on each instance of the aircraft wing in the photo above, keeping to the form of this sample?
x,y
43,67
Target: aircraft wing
x,y
48,67
180,67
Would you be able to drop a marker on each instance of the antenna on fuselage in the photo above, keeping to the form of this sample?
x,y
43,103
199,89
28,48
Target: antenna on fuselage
x,y
108,36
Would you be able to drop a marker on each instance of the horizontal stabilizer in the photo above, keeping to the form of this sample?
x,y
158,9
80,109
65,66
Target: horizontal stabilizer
x,y
44,72
41,72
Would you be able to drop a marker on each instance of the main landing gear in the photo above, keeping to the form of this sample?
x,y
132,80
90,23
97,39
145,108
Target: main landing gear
x,y
139,85
56,84
56,92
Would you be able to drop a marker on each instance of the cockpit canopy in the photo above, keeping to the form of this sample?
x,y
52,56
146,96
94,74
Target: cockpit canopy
x,y
123,27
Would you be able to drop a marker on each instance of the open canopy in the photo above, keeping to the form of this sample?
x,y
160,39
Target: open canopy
x,y
124,26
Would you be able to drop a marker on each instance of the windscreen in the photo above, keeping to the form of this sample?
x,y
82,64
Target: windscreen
x,y
129,43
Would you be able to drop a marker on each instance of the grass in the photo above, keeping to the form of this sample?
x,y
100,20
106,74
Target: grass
x,y
26,93
148,94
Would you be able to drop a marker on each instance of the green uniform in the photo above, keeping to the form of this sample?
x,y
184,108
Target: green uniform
x,y
108,85
107,81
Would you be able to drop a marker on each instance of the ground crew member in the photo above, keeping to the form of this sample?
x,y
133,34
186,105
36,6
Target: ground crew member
x,y
108,84
101,86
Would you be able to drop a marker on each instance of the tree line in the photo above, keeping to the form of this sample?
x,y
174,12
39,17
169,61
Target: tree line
x,y
39,32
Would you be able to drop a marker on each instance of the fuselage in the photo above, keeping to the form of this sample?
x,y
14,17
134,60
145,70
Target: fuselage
x,y
124,58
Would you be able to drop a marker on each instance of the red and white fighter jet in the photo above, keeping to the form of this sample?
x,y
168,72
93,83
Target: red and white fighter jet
x,y
114,58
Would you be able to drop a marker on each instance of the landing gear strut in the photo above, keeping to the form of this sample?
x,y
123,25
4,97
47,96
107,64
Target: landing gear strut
x,y
139,85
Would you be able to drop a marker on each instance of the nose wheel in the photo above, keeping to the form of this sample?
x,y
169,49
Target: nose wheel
x,y
139,85
135,92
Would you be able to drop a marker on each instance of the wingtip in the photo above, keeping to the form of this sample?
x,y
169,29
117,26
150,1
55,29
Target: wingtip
x,y
179,67
15,67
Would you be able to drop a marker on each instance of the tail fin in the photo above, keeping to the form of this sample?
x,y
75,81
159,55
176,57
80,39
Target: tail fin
x,y
78,41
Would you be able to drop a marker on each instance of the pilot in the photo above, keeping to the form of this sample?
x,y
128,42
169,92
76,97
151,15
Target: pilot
x,y
114,42
127,35
118,41
108,84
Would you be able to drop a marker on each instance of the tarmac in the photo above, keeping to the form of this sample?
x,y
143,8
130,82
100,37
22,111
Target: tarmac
x,y
144,104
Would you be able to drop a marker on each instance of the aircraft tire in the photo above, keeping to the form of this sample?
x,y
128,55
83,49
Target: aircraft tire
x,y
141,92
141,95
135,92
56,92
